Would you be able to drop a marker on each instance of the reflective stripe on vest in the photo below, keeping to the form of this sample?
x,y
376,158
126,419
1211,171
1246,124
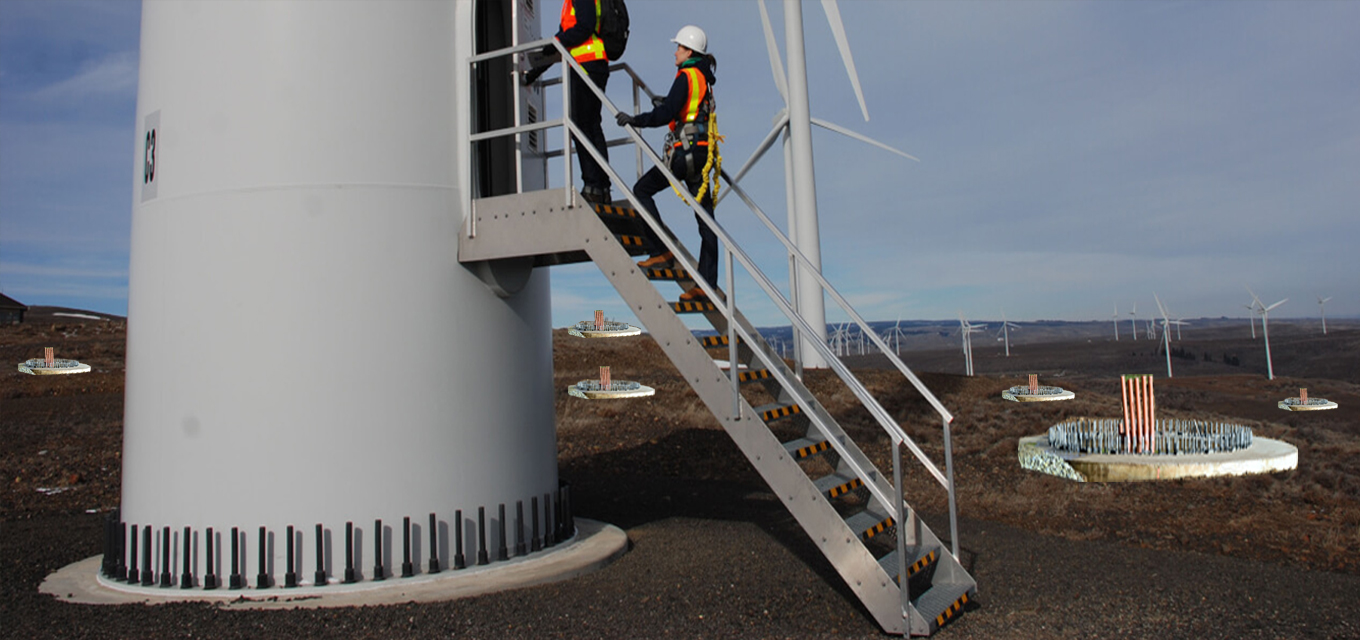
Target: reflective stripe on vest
x,y
593,48
698,90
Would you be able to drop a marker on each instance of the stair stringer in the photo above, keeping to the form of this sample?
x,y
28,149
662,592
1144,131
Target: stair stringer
x,y
851,559
542,225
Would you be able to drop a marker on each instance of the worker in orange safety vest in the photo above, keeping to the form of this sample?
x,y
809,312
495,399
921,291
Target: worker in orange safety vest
x,y
578,31
685,109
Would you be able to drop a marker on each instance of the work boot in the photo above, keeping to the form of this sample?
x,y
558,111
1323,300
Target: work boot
x,y
657,261
596,195
693,295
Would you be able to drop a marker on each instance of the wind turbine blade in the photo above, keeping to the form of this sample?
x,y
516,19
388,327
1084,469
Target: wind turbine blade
x,y
1277,304
1160,306
764,146
1253,297
776,63
846,132
833,16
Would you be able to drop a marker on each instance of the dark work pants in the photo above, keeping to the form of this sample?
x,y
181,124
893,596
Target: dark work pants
x,y
653,182
585,114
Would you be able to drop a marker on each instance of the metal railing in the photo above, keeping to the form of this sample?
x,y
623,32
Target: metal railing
x,y
735,254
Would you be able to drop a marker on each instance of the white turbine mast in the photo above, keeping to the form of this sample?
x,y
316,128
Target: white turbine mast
x,y
1252,318
1133,321
1116,321
966,330
1166,331
795,124
1006,326
895,335
1322,307
1265,328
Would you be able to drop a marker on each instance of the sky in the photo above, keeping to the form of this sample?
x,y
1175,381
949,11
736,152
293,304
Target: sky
x,y
1074,156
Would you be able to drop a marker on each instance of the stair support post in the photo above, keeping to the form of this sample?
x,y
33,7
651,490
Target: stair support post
x,y
732,339
566,122
903,592
953,508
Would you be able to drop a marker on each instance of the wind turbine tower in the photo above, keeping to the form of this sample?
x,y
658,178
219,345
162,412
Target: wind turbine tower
x,y
1006,326
1265,328
1116,321
1133,321
1322,307
800,176
1166,332
966,330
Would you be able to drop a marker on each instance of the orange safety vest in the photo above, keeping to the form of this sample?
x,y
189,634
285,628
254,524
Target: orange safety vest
x,y
593,48
694,105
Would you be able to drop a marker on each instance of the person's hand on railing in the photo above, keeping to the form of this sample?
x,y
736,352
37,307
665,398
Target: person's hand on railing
x,y
540,61
623,119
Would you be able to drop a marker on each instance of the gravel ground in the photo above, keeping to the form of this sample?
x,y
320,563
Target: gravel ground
x,y
713,553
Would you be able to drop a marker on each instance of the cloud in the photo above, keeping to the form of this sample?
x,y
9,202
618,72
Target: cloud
x,y
112,75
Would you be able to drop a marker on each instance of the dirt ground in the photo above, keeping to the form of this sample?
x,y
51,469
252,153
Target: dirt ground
x,y
713,553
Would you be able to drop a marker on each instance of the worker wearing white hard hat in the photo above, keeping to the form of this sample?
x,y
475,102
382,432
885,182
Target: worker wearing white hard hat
x,y
688,109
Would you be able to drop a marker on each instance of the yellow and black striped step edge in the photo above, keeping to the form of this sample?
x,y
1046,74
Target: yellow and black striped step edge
x,y
779,412
667,274
806,450
889,564
878,528
611,210
715,341
631,241
844,488
951,611
924,562
753,375
693,307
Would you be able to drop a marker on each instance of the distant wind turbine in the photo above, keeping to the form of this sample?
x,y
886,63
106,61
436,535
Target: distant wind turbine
x,y
1265,328
967,330
1133,321
1006,326
1252,307
1116,321
895,335
1322,306
1166,332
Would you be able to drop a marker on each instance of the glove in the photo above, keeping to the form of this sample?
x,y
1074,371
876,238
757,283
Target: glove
x,y
623,119
532,75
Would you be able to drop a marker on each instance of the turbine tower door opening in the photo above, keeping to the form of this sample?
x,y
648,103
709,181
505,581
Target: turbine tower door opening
x,y
498,166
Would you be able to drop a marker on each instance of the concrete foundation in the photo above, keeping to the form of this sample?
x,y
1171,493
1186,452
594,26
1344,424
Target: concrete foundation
x,y
1263,456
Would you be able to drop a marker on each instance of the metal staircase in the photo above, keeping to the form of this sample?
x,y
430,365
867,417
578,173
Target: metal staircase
x,y
852,511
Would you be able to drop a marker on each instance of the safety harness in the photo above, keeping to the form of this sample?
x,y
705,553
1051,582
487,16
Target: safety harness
x,y
697,126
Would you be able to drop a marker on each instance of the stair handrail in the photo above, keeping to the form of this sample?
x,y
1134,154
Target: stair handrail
x,y
894,430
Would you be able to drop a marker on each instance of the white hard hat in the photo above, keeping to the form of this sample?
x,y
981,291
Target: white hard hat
x,y
692,38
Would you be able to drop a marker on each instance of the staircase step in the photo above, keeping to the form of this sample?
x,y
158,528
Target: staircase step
x,y
631,241
770,412
942,602
715,341
889,562
667,274
613,211
752,375
807,447
693,307
868,524
838,484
